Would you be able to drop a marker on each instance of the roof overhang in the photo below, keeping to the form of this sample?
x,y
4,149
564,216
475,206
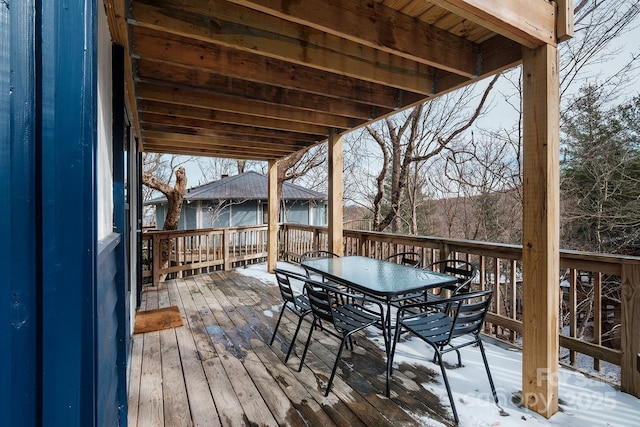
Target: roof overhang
x,y
263,79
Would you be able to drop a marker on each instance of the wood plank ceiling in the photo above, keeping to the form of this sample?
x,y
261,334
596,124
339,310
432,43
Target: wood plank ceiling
x,y
262,79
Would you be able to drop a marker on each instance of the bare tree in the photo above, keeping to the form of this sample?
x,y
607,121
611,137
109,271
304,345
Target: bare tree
x,y
154,176
159,170
597,25
213,168
298,165
416,136
483,175
583,58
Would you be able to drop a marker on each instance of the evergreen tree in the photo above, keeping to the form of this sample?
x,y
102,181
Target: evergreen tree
x,y
600,173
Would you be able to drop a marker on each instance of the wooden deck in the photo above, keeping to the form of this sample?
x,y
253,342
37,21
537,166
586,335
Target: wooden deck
x,y
218,369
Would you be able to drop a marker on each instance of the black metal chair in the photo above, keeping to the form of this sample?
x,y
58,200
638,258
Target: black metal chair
x,y
411,259
296,303
464,271
346,319
315,254
438,323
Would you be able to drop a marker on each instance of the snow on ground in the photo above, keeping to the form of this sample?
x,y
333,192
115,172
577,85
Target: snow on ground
x,y
584,401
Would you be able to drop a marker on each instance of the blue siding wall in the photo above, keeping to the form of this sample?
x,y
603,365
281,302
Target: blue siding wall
x,y
108,317
161,213
60,311
69,213
245,213
298,212
19,299
113,271
189,215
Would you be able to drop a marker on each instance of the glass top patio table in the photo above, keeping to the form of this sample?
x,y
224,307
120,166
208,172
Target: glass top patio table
x,y
378,278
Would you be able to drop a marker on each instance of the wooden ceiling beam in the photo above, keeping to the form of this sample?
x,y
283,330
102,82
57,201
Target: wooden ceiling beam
x,y
251,31
261,145
285,144
379,27
203,99
178,147
152,71
531,23
151,121
246,66
179,110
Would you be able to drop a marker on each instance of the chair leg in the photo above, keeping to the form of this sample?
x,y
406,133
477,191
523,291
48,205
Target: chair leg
x,y
275,330
293,340
335,365
306,346
486,366
446,384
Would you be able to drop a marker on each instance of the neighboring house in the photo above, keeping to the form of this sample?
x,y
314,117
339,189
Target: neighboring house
x,y
242,200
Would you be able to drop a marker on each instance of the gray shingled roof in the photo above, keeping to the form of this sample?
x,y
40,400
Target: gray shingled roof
x,y
246,186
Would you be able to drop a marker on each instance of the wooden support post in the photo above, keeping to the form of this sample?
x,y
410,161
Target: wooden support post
x,y
272,225
540,254
630,339
335,193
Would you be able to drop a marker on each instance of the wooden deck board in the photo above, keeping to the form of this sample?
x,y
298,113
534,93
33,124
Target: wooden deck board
x,y
176,403
218,369
150,404
134,378
203,409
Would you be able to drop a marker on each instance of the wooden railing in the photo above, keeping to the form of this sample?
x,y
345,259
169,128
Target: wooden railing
x,y
188,252
600,293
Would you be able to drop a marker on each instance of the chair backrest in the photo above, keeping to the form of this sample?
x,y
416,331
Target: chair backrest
x,y
283,277
464,271
469,311
320,300
412,259
317,254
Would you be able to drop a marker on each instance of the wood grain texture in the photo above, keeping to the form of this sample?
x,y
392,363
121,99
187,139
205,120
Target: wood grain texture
x,y
231,377
540,254
630,368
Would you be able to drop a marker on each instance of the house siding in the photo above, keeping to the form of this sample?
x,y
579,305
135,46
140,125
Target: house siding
x,y
189,216
19,293
245,213
108,321
207,214
297,212
59,362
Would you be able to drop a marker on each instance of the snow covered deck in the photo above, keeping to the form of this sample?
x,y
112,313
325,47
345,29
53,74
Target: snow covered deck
x,y
218,369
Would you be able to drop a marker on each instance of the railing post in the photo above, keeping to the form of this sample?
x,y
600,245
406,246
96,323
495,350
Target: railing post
x,y
445,252
285,237
225,250
362,245
155,270
597,315
316,239
630,340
